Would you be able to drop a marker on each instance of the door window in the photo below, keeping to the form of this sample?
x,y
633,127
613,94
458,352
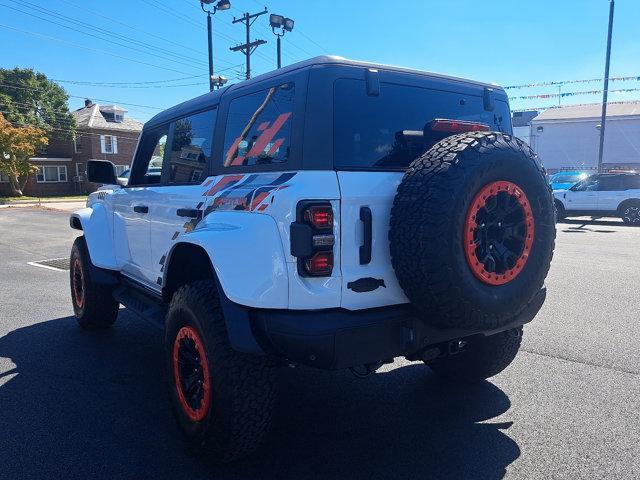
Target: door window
x,y
191,147
147,165
587,185
259,127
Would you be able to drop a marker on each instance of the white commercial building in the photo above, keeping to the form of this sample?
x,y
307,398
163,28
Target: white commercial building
x,y
567,138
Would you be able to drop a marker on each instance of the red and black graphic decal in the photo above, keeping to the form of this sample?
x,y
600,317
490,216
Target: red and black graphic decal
x,y
249,194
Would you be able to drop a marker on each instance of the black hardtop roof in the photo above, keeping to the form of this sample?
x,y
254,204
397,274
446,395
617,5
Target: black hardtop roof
x,y
211,99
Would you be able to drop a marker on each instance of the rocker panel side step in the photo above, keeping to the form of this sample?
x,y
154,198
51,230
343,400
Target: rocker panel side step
x,y
147,306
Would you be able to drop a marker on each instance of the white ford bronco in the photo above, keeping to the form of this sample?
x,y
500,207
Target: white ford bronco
x,y
332,213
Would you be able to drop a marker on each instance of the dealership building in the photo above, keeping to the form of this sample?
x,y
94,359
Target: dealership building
x,y
567,138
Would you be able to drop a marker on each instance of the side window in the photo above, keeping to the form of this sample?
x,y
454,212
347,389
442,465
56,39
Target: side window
x,y
147,165
586,185
632,182
259,127
191,147
610,184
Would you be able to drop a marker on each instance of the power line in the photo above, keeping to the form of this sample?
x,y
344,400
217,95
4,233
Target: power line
x,y
98,99
181,59
135,28
75,45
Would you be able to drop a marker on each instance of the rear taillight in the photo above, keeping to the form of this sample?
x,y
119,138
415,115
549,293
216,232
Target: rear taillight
x,y
457,126
312,238
320,265
319,217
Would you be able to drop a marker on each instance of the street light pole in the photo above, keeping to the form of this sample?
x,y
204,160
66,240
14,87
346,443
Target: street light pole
x,y
279,51
606,86
284,25
210,43
221,5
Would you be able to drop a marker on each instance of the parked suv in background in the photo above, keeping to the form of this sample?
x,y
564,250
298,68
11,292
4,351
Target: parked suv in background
x,y
332,213
602,195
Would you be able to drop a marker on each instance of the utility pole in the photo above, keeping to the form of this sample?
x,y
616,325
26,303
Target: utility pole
x,y
248,47
606,86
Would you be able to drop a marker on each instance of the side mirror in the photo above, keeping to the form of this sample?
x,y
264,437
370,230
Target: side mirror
x,y
101,171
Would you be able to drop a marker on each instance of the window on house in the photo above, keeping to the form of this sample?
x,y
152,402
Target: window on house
x,y
191,147
119,117
109,144
78,144
51,173
259,127
4,178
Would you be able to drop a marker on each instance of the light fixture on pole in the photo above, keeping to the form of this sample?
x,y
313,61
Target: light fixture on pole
x,y
211,10
283,24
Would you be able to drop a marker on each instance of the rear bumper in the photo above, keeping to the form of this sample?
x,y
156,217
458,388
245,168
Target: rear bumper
x,y
337,338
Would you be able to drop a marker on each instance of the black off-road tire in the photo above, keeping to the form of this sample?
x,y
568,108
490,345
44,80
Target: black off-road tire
x,y
242,387
93,304
482,357
630,212
429,219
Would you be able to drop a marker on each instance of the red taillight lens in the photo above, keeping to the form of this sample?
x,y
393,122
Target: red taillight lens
x,y
319,217
457,126
320,264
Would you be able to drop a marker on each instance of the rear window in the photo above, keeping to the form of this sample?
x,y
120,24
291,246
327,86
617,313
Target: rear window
x,y
386,132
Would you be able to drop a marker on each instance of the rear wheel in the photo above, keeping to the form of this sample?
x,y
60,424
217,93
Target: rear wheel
x,y
223,399
482,357
93,304
630,213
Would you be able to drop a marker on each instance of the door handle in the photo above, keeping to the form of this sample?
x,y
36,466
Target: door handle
x,y
141,209
189,212
367,222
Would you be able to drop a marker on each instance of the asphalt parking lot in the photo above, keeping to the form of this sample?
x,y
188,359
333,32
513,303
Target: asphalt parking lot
x,y
93,405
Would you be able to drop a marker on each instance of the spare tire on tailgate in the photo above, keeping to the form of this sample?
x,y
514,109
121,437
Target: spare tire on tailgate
x,y
473,230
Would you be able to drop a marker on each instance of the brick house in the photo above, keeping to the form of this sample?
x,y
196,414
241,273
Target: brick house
x,y
104,132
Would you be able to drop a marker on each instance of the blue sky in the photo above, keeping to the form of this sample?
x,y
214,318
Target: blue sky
x,y
505,42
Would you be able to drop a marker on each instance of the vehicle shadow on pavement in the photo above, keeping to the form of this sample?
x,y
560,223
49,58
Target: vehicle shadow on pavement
x,y
93,405
582,225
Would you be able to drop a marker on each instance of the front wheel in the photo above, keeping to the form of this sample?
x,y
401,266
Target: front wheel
x,y
483,357
93,304
223,399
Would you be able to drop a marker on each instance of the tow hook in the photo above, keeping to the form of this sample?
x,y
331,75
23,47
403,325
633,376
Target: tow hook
x,y
456,346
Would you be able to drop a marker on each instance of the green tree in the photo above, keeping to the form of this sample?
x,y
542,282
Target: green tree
x,y
17,144
34,108
30,98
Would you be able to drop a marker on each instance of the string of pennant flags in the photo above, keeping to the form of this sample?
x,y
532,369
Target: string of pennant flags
x,y
566,82
571,94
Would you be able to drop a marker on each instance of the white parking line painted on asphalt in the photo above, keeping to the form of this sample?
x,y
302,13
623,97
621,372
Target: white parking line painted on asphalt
x,y
36,264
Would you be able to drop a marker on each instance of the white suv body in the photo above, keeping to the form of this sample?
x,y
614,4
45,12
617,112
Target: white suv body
x,y
607,194
332,213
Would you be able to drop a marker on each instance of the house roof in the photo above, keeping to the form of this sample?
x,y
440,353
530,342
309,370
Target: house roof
x,y
594,111
91,117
